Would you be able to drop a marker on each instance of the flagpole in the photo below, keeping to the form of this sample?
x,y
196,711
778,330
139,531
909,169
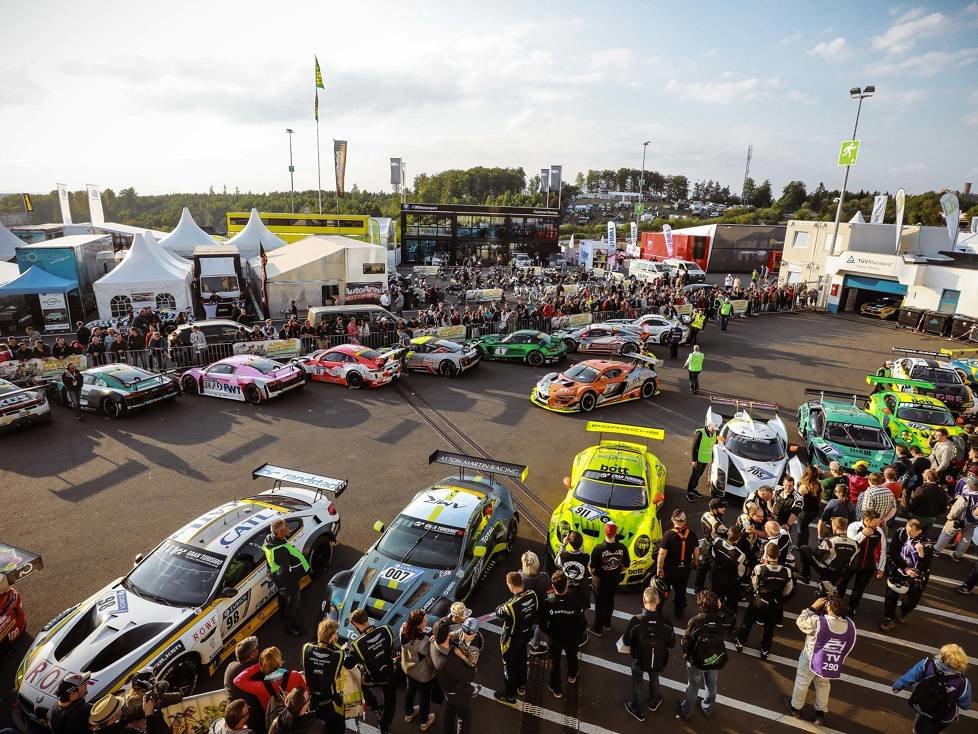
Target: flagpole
x,y
319,170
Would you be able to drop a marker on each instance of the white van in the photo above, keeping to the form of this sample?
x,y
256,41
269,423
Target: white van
x,y
646,270
694,273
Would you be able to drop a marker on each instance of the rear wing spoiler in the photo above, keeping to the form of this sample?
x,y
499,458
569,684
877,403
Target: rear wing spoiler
x,y
957,352
475,463
647,360
18,562
920,352
822,394
656,434
39,387
877,380
748,405
283,475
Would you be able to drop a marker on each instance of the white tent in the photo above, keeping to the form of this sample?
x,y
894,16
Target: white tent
x,y
255,232
145,277
8,241
186,237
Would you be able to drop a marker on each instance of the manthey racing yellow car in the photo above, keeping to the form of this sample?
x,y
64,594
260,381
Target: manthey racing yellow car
x,y
615,481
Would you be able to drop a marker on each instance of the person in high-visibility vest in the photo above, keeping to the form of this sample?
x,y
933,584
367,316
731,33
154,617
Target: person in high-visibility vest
x,y
694,363
704,440
726,308
697,321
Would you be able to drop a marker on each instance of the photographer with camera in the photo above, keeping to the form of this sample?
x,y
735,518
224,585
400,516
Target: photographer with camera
x,y
71,714
145,687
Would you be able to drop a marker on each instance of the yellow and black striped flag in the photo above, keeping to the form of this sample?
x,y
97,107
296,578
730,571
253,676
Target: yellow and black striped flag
x,y
319,75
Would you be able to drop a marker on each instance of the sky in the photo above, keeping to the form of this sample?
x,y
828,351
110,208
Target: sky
x,y
181,96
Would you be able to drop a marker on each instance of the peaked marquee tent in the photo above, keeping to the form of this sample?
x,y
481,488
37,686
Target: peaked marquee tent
x,y
8,241
188,235
145,277
254,232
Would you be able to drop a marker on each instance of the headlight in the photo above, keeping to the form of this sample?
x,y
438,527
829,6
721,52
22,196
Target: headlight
x,y
563,529
906,435
643,544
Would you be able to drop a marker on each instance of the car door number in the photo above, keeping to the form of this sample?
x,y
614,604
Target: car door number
x,y
500,351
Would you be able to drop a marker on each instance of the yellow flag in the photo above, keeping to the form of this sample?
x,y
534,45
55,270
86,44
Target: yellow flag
x,y
319,76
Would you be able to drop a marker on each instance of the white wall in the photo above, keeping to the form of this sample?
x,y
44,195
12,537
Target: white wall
x,y
938,278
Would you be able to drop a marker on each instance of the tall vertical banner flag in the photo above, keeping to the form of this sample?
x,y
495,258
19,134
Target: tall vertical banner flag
x,y
395,171
339,154
555,172
901,200
612,237
28,203
633,240
65,203
544,180
879,209
667,233
95,204
264,278
952,215
319,75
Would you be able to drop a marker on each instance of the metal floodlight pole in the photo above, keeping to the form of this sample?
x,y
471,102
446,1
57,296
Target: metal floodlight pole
x,y
641,180
860,94
291,132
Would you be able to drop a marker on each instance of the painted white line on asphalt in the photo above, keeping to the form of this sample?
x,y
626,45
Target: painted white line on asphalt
x,y
929,610
548,715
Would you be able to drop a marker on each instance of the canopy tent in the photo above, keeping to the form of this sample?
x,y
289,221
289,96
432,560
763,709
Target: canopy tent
x,y
185,237
8,271
255,232
8,243
145,277
34,280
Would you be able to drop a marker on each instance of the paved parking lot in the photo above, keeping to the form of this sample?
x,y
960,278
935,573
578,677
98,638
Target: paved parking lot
x,y
91,495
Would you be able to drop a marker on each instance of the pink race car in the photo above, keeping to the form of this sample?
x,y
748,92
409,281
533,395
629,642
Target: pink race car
x,y
243,377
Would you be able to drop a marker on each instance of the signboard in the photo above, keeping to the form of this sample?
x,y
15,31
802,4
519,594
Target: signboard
x,y
54,311
95,204
58,261
866,262
363,293
396,172
65,205
848,152
426,269
570,289
952,215
639,209
739,306
39,370
684,309
443,332
901,199
667,233
571,321
632,249
484,294
16,563
273,348
612,236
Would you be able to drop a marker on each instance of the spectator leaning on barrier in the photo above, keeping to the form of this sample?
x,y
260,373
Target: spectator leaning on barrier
x,y
235,719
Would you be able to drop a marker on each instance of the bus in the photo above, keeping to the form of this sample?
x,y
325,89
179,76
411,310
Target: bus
x,y
292,227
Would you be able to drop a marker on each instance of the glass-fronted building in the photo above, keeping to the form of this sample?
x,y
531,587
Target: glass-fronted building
x,y
451,233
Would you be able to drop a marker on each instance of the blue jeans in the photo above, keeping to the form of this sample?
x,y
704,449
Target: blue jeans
x,y
698,679
638,690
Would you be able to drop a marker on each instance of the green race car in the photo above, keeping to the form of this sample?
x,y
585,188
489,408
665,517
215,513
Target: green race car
x,y
620,482
911,418
836,428
526,345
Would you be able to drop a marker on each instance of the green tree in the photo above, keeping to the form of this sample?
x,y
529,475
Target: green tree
x,y
793,196
762,198
678,188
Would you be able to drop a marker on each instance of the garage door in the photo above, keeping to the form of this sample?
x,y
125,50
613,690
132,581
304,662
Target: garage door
x,y
879,285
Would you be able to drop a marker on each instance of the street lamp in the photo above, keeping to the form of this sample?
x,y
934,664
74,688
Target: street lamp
x,y
860,94
641,180
291,132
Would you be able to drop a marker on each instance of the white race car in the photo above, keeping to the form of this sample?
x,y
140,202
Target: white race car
x,y
20,406
652,326
182,609
750,453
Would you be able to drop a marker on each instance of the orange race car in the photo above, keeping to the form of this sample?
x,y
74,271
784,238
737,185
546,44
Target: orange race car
x,y
597,382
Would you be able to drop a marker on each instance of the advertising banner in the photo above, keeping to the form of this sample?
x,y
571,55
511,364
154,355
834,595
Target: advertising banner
x,y
901,200
569,290
571,321
555,172
395,171
632,250
426,269
879,209
484,294
684,309
54,311
339,157
739,306
65,205
39,370
667,233
455,333
363,293
95,204
544,180
952,215
612,236
273,348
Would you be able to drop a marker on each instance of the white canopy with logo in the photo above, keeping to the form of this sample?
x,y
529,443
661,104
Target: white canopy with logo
x,y
146,277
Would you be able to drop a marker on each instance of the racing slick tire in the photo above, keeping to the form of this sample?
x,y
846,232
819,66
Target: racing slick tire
x,y
514,525
447,368
320,557
113,408
534,358
354,380
183,674
629,348
252,394
571,345
189,385
588,401
650,388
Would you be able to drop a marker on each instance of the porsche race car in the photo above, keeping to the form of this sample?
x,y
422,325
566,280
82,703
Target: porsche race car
x,y
597,382
526,345
654,328
602,339
440,356
948,387
436,551
911,418
350,365
244,377
615,481
20,406
835,427
748,453
117,389
183,607
887,307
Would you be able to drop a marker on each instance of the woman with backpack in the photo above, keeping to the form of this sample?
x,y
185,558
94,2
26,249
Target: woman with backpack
x,y
418,668
940,689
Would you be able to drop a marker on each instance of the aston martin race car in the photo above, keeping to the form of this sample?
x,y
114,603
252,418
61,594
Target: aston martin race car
x,y
350,365
615,481
958,359
835,427
596,383
948,387
244,377
185,605
887,307
436,551
528,346
117,389
20,406
911,418
749,453
602,339
653,327
440,356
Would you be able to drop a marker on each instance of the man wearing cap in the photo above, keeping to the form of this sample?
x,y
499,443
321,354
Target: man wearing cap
x,y
607,565
287,566
71,714
458,613
702,454
694,364
678,554
834,478
245,654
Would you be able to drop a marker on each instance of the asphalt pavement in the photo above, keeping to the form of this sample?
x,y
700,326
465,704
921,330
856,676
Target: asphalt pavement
x,y
91,495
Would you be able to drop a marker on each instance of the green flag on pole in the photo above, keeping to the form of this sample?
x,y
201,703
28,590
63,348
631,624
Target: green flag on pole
x,y
319,75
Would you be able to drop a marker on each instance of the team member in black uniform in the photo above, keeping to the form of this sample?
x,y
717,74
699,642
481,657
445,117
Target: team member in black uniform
x,y
834,556
607,566
910,559
729,568
373,651
562,617
322,665
771,582
711,525
517,615
678,553
573,561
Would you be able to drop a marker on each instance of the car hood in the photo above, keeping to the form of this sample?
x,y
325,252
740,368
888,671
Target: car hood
x,y
589,520
848,455
106,635
555,380
758,473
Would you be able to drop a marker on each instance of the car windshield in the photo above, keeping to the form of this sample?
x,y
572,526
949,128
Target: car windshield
x,y
754,449
6,387
928,415
130,375
422,543
613,491
936,375
581,372
448,346
859,437
176,574
265,366
218,284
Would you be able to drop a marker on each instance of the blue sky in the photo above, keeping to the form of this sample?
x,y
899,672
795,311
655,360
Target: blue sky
x,y
191,95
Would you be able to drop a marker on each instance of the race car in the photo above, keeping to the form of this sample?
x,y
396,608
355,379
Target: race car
x,y
183,607
117,389
615,481
20,406
602,339
528,346
351,365
654,328
958,360
436,551
910,417
597,382
244,377
949,388
440,356
15,564
887,307
837,428
748,453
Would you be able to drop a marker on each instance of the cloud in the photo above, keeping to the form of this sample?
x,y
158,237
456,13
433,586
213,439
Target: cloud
x,y
909,168
834,50
971,119
909,29
800,97
791,39
728,91
925,64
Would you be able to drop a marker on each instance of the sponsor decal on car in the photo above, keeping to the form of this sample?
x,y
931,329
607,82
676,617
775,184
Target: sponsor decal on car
x,y
591,513
234,613
206,628
218,386
398,573
115,603
195,555
166,656
760,473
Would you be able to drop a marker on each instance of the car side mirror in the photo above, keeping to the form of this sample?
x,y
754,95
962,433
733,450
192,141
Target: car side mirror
x,y
137,560
229,592
479,551
567,482
379,527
